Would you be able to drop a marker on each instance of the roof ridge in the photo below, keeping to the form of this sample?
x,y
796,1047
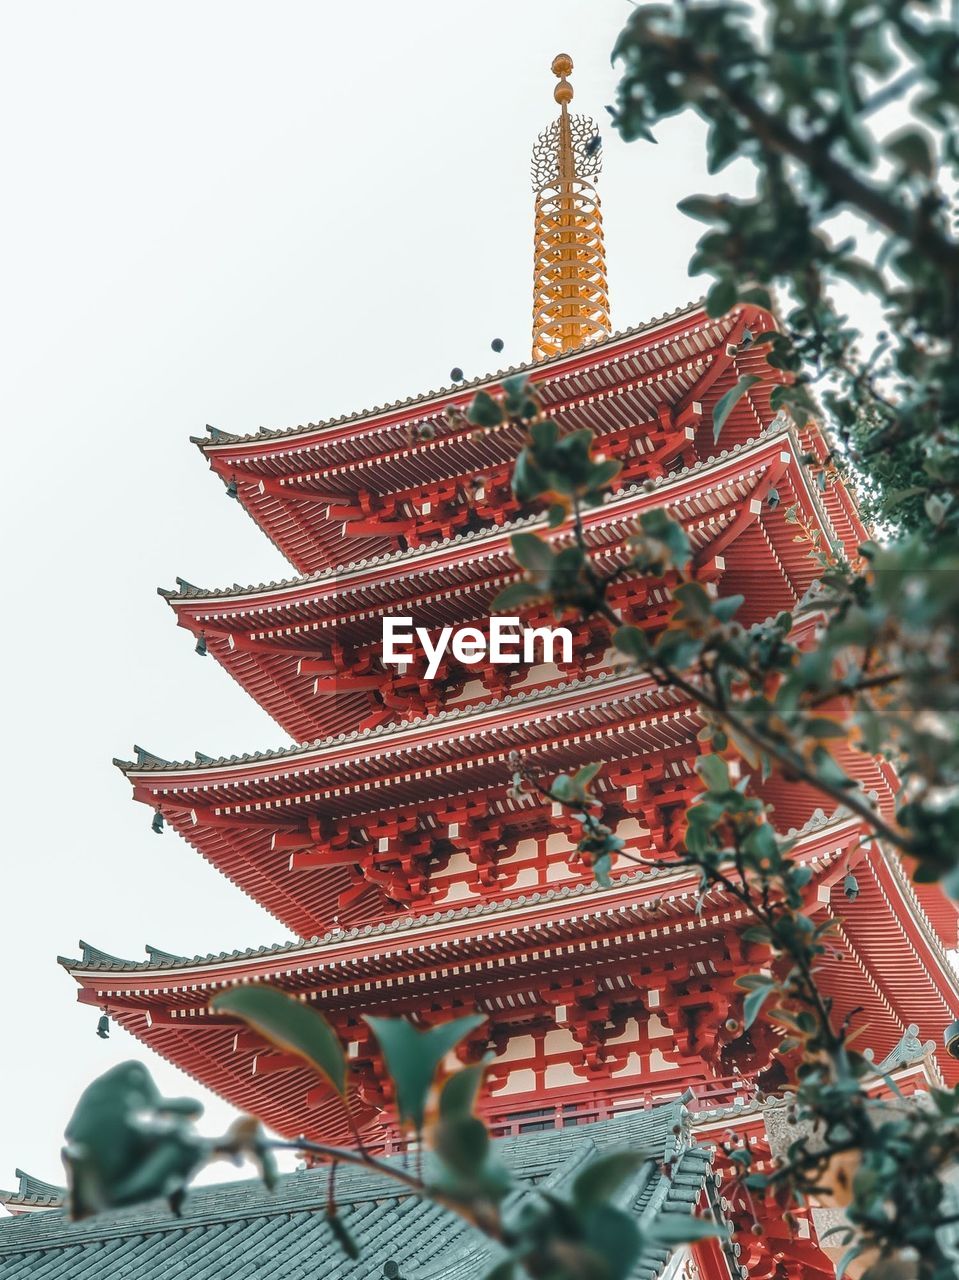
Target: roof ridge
x,y
218,436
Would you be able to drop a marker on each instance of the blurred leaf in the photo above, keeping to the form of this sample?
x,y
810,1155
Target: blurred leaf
x,y
633,643
753,1002
342,1234
412,1056
515,596
125,1143
460,1091
291,1025
725,404
714,771
484,411
602,1177
532,552
913,151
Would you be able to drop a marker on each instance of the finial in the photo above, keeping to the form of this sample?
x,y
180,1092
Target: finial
x,y
570,304
561,66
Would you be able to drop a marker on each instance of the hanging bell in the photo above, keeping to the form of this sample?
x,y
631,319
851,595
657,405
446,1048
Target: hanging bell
x,y
850,887
156,826
103,1027
232,491
201,648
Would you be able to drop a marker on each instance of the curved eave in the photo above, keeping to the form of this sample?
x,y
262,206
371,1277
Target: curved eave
x,y
245,814
286,485
414,743
238,817
900,973
262,634
169,1011
402,944
397,967
650,334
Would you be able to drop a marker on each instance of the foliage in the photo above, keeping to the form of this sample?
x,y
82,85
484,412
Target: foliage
x,y
806,91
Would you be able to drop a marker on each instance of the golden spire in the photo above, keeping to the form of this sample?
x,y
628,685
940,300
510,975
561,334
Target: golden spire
x,y
570,298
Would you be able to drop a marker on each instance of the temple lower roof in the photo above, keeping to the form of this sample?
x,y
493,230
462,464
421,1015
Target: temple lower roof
x,y
242,1229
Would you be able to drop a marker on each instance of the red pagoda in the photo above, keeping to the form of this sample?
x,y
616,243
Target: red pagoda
x,y
389,840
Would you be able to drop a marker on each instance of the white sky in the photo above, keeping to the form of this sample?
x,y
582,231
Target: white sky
x,y
241,214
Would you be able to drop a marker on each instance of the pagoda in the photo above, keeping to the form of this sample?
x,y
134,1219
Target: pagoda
x,y
389,839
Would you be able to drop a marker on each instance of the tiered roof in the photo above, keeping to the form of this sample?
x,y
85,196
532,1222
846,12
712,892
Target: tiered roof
x,y
276,639
355,487
650,931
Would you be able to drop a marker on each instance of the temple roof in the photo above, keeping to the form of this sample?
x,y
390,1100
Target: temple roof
x,y
592,351
364,477
241,1229
616,682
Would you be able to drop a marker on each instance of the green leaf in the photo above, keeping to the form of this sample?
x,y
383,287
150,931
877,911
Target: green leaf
x,y
913,151
532,552
462,1143
721,297
556,515
484,411
544,434
753,1002
849,1256
602,1177
726,403
125,1143
460,1091
714,771
505,1270
516,393
515,596
291,1025
613,1235
702,208
632,642
601,865
566,789
602,473
413,1055
727,607
583,777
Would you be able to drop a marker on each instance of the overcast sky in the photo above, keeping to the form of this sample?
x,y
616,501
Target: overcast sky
x,y
242,214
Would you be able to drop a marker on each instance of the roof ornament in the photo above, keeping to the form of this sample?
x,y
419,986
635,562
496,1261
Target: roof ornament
x,y
570,296
909,1049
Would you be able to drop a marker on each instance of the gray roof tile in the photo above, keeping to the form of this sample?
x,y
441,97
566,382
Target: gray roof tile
x,y
240,1231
